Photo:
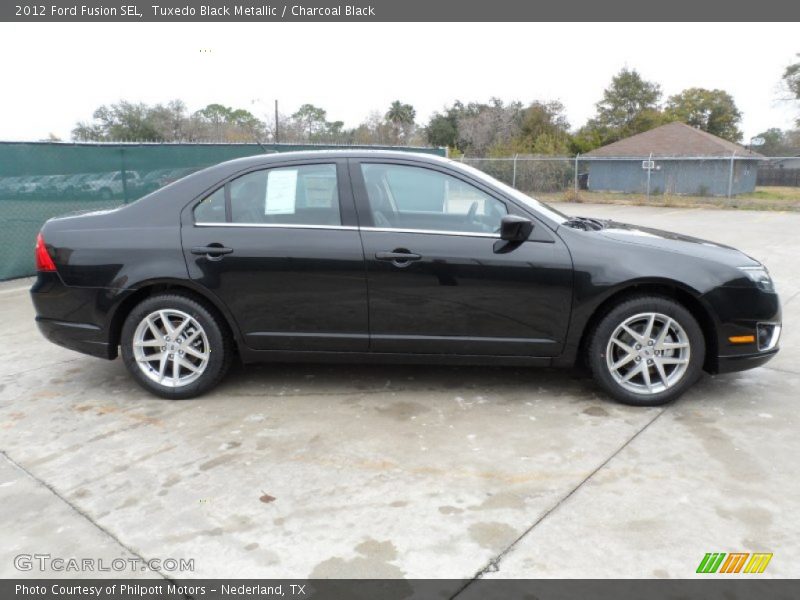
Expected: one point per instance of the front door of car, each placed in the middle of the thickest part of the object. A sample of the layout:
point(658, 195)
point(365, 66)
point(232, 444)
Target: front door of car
point(280, 247)
point(440, 279)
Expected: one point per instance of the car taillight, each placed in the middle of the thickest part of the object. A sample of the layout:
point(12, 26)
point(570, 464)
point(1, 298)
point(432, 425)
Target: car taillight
point(43, 260)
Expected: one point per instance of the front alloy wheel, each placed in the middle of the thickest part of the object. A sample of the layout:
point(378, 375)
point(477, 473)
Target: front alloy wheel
point(647, 351)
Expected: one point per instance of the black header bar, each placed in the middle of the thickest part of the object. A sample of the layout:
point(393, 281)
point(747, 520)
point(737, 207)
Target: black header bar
point(143, 11)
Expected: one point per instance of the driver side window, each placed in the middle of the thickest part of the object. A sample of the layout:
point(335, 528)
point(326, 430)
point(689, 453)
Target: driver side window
point(404, 197)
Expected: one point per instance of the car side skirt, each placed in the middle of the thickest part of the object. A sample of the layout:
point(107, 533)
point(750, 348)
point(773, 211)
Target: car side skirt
point(255, 356)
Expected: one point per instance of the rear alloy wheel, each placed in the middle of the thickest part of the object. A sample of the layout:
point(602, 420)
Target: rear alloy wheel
point(171, 348)
point(647, 351)
point(174, 346)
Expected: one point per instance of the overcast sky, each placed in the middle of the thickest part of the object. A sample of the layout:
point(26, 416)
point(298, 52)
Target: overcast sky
point(57, 74)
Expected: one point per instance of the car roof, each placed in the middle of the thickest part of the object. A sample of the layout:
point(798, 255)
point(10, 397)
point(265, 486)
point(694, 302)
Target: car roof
point(335, 153)
point(205, 180)
point(154, 208)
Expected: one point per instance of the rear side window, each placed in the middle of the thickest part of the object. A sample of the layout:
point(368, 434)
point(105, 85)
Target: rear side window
point(302, 195)
point(211, 209)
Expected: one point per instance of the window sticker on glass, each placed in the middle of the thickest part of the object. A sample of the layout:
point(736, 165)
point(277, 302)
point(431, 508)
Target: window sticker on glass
point(281, 192)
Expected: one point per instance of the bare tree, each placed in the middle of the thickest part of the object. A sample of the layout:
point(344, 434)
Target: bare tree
point(485, 126)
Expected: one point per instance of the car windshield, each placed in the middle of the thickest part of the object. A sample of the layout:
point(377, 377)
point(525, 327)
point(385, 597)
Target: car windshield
point(540, 207)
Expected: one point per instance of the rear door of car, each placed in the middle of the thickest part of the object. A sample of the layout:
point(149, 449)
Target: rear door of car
point(441, 280)
point(280, 247)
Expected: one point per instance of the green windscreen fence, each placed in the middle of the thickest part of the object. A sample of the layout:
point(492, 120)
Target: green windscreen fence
point(43, 180)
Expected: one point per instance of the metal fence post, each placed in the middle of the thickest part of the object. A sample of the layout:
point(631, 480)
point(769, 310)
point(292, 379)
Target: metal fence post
point(730, 176)
point(577, 156)
point(124, 173)
point(649, 171)
point(514, 173)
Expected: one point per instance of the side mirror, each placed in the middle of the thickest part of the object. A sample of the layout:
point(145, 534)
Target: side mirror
point(515, 229)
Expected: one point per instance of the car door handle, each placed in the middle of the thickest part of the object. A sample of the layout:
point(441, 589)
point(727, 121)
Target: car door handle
point(211, 250)
point(397, 256)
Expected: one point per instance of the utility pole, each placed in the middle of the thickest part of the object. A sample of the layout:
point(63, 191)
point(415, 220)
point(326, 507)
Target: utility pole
point(276, 121)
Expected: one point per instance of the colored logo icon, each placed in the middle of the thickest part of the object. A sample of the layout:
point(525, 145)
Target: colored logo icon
point(734, 562)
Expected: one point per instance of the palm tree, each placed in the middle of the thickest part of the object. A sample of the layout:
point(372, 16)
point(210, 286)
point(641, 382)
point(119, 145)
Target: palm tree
point(401, 117)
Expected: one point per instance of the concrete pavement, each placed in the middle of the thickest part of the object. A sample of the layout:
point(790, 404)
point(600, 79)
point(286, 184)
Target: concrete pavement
point(401, 471)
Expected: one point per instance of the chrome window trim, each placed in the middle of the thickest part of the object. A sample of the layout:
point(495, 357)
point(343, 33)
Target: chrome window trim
point(433, 232)
point(351, 228)
point(279, 226)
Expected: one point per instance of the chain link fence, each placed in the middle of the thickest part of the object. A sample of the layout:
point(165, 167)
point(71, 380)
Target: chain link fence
point(42, 180)
point(650, 177)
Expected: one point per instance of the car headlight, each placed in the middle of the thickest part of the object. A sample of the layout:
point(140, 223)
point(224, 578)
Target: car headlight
point(760, 276)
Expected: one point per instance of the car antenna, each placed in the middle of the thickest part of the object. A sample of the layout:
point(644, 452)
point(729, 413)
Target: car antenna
point(263, 147)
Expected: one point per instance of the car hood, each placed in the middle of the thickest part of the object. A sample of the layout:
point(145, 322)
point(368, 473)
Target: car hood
point(675, 242)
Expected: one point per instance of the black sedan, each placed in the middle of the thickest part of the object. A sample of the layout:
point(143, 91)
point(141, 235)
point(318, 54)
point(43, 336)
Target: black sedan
point(392, 257)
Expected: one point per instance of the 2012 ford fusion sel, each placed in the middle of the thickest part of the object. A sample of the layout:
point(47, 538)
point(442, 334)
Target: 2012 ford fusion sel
point(392, 257)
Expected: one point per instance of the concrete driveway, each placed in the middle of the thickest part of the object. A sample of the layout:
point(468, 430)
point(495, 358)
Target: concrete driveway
point(416, 472)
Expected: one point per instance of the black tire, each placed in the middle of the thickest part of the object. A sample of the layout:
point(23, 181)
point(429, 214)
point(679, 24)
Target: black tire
point(608, 324)
point(217, 334)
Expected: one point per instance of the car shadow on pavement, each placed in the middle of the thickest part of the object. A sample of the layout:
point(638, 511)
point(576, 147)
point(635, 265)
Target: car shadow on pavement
point(309, 378)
